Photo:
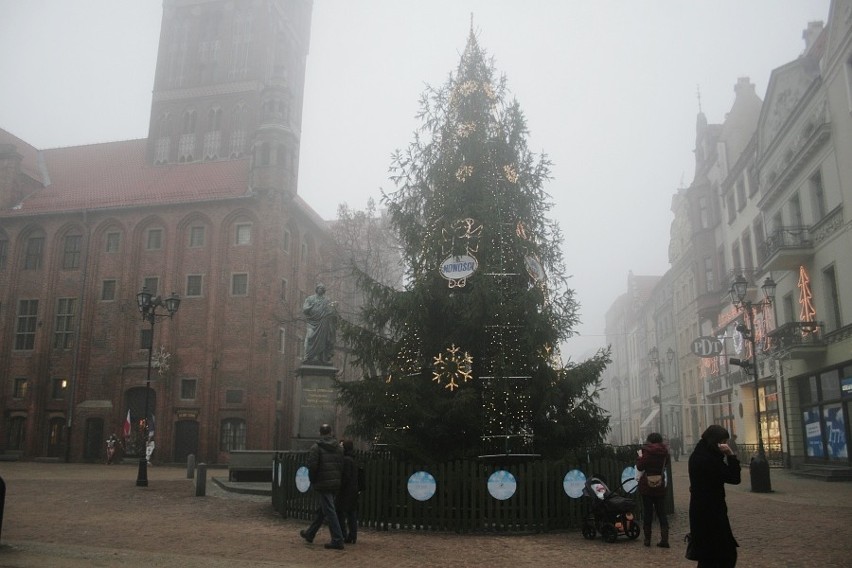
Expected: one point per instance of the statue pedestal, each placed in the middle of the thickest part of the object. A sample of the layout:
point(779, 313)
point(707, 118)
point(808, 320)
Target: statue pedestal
point(317, 403)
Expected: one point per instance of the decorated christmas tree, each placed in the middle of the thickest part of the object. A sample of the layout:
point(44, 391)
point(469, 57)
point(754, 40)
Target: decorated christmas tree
point(463, 361)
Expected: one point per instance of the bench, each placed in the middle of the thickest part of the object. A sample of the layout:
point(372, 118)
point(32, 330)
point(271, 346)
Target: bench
point(250, 465)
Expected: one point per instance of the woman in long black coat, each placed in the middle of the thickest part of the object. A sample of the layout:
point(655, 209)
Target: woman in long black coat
point(712, 465)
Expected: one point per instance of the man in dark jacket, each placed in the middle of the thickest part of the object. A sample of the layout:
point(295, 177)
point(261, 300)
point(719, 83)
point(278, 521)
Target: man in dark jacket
point(712, 465)
point(325, 467)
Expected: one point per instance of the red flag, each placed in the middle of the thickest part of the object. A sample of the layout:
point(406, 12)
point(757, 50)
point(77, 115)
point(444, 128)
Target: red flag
point(127, 425)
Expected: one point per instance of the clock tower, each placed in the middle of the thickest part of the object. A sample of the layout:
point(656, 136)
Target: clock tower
point(229, 84)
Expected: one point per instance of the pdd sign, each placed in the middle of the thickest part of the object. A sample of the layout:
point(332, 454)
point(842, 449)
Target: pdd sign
point(706, 346)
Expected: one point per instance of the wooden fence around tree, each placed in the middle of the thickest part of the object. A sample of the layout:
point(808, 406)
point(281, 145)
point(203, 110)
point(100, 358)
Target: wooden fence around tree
point(461, 501)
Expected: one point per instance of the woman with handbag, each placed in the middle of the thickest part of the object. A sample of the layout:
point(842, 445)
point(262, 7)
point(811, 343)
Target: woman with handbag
point(712, 465)
point(652, 461)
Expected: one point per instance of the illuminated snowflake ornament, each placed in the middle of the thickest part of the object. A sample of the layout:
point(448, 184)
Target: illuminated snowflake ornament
point(452, 366)
point(160, 359)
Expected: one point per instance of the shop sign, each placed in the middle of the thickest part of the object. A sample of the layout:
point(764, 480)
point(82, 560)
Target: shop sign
point(707, 346)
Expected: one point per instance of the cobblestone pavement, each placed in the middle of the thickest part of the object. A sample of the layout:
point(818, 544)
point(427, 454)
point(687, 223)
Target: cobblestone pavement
point(75, 515)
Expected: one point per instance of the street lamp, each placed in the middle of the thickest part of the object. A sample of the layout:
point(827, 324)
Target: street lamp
point(148, 308)
point(654, 357)
point(759, 466)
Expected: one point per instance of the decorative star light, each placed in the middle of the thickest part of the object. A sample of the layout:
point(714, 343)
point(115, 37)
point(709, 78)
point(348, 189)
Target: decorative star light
point(465, 129)
point(511, 173)
point(452, 367)
point(160, 359)
point(464, 172)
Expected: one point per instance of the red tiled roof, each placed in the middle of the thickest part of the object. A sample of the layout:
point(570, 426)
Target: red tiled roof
point(116, 174)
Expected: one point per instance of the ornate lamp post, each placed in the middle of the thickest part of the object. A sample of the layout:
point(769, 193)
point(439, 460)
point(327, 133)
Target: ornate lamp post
point(759, 466)
point(148, 308)
point(654, 357)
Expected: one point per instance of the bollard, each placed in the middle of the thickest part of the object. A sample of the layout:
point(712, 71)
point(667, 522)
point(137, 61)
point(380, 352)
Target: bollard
point(190, 466)
point(201, 480)
point(2, 504)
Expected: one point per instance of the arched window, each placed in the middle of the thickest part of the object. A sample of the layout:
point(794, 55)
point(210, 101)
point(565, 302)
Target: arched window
point(233, 435)
point(188, 121)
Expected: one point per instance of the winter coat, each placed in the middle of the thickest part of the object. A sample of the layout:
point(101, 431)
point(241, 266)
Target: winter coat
point(326, 470)
point(653, 461)
point(347, 498)
point(712, 537)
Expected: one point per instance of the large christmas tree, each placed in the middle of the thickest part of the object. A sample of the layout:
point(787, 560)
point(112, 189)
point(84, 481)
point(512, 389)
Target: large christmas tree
point(463, 361)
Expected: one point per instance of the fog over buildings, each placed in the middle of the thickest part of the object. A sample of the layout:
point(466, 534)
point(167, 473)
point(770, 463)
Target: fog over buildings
point(610, 90)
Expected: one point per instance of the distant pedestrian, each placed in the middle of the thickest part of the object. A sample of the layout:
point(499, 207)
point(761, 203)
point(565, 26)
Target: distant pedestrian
point(676, 447)
point(149, 450)
point(712, 465)
point(325, 469)
point(111, 448)
point(652, 461)
point(347, 500)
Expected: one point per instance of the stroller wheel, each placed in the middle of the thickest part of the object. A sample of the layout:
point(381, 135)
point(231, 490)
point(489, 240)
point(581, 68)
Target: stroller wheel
point(609, 532)
point(589, 532)
point(633, 531)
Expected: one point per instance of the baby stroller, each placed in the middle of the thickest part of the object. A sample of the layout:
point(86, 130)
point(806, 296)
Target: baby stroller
point(611, 514)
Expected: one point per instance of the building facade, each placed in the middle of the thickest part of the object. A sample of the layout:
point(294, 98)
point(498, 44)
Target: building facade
point(767, 203)
point(205, 207)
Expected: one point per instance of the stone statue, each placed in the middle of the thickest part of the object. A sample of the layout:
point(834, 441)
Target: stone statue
point(321, 317)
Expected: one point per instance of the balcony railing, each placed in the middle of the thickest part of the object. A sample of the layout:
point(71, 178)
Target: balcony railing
point(786, 248)
point(800, 339)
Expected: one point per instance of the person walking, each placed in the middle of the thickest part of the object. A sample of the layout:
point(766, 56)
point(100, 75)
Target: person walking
point(325, 467)
point(347, 500)
point(149, 449)
point(111, 447)
point(652, 461)
point(676, 447)
point(712, 465)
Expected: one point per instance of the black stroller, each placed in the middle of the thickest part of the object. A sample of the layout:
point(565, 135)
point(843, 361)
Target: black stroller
point(611, 514)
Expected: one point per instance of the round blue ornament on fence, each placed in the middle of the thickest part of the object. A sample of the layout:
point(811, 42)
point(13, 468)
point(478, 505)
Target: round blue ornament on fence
point(303, 482)
point(573, 483)
point(628, 479)
point(421, 485)
point(502, 484)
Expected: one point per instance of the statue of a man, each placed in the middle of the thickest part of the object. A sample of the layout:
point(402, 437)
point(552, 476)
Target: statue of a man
point(321, 318)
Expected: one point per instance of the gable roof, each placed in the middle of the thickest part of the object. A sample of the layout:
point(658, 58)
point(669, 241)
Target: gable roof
point(117, 174)
point(29, 154)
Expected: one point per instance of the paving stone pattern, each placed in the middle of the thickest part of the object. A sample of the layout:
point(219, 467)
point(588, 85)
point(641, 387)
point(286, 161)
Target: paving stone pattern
point(75, 515)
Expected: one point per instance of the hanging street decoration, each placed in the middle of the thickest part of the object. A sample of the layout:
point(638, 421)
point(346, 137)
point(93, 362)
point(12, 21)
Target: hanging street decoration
point(160, 360)
point(807, 311)
point(452, 365)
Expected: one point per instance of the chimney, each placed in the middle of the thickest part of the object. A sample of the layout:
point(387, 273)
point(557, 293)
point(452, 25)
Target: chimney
point(811, 34)
point(743, 86)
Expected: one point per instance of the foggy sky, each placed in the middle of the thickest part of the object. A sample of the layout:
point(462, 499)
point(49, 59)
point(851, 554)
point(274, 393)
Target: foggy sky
point(609, 89)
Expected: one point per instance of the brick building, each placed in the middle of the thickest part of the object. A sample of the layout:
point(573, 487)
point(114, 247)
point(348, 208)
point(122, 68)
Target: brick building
point(206, 207)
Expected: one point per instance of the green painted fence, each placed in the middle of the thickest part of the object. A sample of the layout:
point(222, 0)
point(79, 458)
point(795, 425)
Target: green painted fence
point(461, 502)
